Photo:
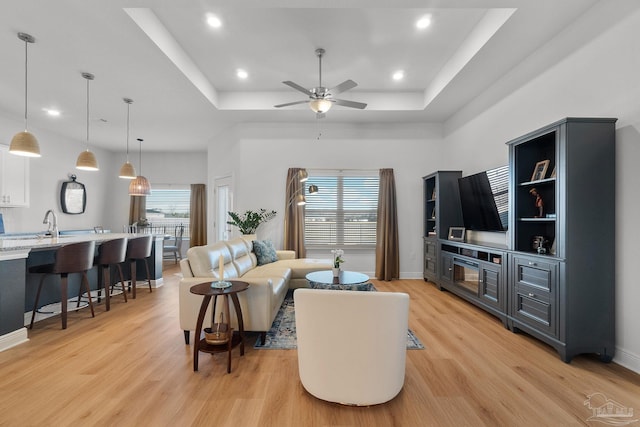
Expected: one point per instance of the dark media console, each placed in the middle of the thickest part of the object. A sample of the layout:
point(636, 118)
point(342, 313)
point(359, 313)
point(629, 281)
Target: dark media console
point(477, 274)
point(549, 280)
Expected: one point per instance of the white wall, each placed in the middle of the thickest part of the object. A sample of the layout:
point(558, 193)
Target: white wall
point(264, 152)
point(600, 79)
point(107, 195)
point(46, 176)
point(158, 168)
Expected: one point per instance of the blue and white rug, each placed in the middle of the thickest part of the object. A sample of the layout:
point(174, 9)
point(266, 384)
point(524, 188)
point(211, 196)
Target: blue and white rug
point(282, 335)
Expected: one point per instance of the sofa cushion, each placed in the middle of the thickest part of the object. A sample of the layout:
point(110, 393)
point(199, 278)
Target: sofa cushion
point(302, 266)
point(204, 260)
point(241, 255)
point(265, 251)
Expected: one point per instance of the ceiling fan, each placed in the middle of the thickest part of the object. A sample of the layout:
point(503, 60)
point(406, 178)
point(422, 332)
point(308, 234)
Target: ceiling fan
point(321, 98)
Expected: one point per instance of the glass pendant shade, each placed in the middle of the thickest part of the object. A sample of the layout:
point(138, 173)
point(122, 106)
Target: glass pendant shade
point(300, 200)
point(140, 186)
point(24, 143)
point(313, 189)
point(127, 171)
point(320, 105)
point(87, 161)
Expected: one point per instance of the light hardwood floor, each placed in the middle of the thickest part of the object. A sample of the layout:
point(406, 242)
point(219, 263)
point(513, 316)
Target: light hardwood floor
point(130, 367)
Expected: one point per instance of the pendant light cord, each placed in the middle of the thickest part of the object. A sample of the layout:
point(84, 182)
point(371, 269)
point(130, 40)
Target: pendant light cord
point(26, 82)
point(140, 155)
point(128, 107)
point(87, 114)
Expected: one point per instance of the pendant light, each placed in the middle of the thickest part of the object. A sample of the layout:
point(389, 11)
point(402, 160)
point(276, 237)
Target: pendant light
point(127, 171)
point(24, 143)
point(87, 160)
point(140, 185)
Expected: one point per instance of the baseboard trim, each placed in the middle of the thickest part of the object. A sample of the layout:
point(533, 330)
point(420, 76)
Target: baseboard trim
point(13, 339)
point(627, 359)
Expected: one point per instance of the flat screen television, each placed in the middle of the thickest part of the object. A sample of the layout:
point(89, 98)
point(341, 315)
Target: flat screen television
point(484, 198)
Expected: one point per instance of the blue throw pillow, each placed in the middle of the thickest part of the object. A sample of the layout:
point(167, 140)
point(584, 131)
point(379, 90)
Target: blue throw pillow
point(265, 252)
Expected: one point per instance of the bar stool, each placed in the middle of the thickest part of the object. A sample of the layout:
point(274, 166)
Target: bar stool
point(70, 258)
point(139, 248)
point(110, 252)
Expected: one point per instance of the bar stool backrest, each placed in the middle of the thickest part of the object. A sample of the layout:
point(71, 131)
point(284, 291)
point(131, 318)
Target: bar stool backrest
point(112, 251)
point(139, 247)
point(74, 257)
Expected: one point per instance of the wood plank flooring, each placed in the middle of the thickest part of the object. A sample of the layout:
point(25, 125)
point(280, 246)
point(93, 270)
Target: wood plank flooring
point(130, 367)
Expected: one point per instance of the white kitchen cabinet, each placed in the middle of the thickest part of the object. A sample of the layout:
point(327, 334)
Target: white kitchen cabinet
point(14, 179)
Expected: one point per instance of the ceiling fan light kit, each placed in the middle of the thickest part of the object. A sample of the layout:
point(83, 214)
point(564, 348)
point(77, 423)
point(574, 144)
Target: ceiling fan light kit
point(320, 98)
point(320, 105)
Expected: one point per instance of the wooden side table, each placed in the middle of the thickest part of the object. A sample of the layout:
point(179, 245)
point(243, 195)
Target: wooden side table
point(237, 337)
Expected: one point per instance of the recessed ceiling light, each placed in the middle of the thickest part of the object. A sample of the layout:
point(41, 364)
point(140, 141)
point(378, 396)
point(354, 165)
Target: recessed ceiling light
point(398, 75)
point(214, 21)
point(51, 112)
point(423, 22)
point(242, 74)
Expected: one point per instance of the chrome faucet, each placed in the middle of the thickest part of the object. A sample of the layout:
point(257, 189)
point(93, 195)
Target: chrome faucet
point(52, 228)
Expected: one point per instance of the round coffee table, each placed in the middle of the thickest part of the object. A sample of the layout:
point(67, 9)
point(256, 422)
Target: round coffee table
point(347, 280)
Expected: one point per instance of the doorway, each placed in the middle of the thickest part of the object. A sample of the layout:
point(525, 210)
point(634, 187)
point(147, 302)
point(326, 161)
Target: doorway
point(223, 203)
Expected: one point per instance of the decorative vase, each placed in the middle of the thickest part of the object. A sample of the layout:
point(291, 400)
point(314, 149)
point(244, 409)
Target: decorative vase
point(336, 271)
point(250, 237)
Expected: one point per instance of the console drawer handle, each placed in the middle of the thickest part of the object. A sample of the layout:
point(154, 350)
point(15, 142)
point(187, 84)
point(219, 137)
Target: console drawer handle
point(532, 263)
point(532, 295)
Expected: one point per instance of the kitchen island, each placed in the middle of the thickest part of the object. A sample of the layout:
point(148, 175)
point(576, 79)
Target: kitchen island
point(17, 287)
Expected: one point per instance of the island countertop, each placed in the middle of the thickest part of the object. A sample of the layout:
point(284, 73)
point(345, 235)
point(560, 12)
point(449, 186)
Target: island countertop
point(18, 287)
point(19, 246)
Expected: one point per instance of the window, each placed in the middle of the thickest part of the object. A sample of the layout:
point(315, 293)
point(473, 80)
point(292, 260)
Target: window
point(344, 211)
point(169, 207)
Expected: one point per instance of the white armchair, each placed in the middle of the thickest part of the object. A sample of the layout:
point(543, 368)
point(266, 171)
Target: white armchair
point(351, 345)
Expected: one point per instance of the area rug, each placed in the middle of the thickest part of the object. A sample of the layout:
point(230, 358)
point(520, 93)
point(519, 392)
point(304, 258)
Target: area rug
point(282, 335)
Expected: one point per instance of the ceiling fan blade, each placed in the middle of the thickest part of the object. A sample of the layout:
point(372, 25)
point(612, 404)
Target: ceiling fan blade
point(344, 86)
point(290, 103)
point(352, 104)
point(297, 87)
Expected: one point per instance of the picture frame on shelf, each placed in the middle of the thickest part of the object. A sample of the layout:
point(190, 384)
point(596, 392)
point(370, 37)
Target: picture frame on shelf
point(553, 173)
point(433, 194)
point(456, 234)
point(433, 213)
point(540, 170)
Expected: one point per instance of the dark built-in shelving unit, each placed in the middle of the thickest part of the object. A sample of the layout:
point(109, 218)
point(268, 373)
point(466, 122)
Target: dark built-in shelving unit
point(441, 211)
point(560, 291)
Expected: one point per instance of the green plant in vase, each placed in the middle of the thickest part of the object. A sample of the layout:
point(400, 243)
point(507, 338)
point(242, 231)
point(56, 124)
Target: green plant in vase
point(249, 221)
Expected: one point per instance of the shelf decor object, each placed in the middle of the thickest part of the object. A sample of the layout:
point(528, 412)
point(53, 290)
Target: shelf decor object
point(140, 186)
point(540, 171)
point(127, 170)
point(221, 283)
point(25, 143)
point(87, 160)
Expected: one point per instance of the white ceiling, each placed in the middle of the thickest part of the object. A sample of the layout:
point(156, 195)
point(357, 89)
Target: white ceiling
point(181, 73)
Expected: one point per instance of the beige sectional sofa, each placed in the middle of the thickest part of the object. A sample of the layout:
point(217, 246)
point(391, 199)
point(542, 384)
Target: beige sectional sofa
point(268, 283)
